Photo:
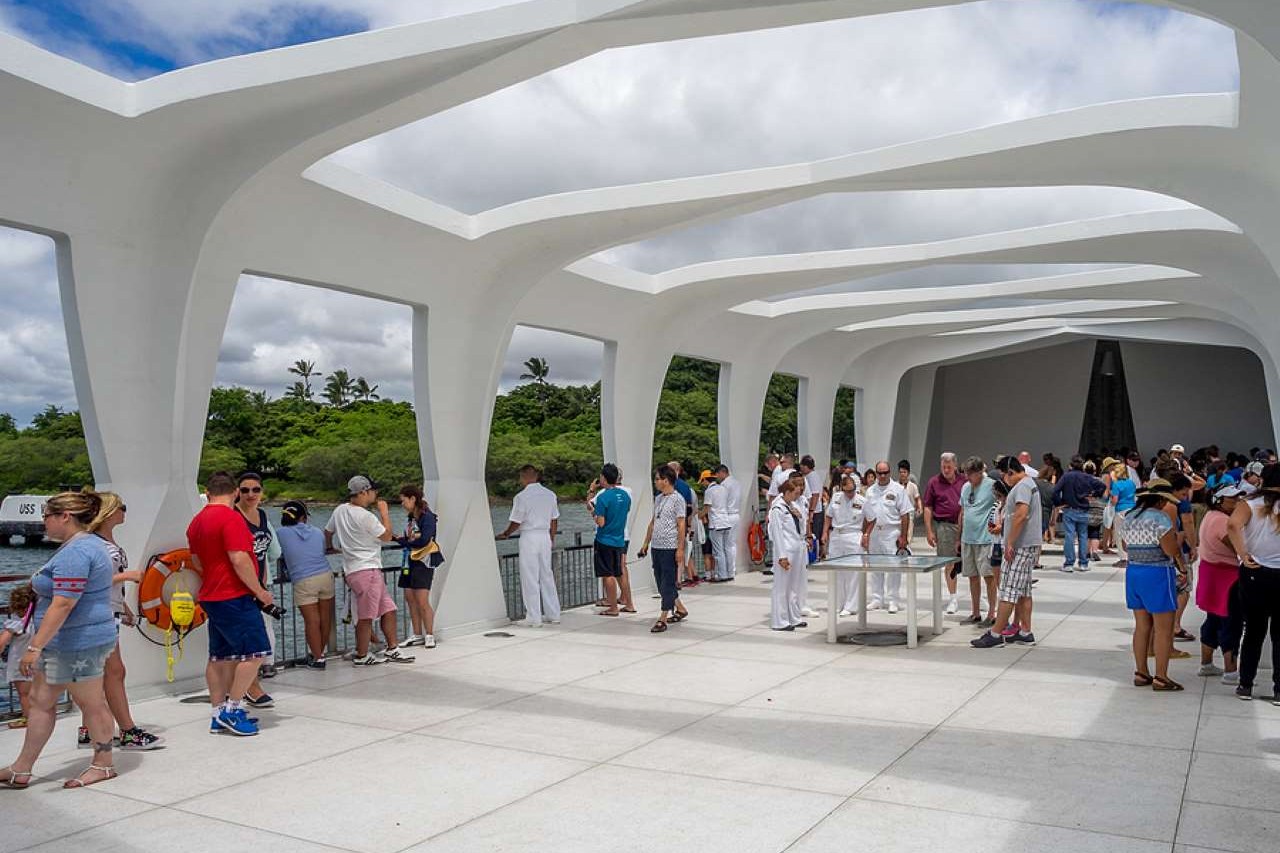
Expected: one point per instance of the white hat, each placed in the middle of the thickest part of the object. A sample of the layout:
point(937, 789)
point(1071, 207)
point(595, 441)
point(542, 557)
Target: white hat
point(1177, 448)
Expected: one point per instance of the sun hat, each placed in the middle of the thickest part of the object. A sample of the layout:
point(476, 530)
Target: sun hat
point(1227, 490)
point(1159, 487)
point(1109, 463)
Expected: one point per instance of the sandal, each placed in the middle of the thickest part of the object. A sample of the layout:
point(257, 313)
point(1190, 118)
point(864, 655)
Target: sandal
point(628, 610)
point(677, 617)
point(658, 627)
point(12, 779)
point(18, 723)
point(110, 773)
point(607, 613)
point(1141, 679)
point(1184, 636)
point(1165, 685)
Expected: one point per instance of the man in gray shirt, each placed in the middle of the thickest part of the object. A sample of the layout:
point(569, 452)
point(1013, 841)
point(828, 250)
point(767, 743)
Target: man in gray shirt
point(1020, 526)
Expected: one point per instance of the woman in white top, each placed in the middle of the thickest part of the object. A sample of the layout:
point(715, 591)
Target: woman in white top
point(790, 555)
point(842, 536)
point(1254, 531)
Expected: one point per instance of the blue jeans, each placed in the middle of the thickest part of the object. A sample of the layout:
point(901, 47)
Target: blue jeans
point(1075, 534)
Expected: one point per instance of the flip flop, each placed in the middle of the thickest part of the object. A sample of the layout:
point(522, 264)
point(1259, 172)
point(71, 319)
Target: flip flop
point(608, 613)
point(9, 779)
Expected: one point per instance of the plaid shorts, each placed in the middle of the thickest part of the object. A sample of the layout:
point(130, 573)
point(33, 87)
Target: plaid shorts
point(1015, 578)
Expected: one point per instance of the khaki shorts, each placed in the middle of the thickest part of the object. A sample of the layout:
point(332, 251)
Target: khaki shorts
point(313, 589)
point(975, 561)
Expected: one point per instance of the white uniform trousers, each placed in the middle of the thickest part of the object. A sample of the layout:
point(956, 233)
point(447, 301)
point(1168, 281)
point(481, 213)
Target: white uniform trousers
point(800, 583)
point(724, 547)
point(785, 597)
point(537, 583)
point(842, 544)
point(886, 587)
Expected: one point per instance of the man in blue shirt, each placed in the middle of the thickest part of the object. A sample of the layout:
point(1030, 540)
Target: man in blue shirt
point(1072, 493)
point(611, 508)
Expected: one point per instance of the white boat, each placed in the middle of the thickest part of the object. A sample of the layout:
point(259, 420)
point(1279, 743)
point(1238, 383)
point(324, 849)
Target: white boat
point(22, 515)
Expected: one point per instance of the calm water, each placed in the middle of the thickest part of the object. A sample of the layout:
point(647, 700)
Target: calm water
point(20, 560)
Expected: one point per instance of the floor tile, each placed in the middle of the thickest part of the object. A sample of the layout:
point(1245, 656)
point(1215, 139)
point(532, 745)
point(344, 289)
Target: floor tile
point(45, 812)
point(195, 762)
point(1251, 736)
point(1070, 784)
point(699, 679)
point(166, 830)
point(590, 725)
point(795, 647)
point(893, 696)
point(1233, 780)
point(892, 828)
point(550, 661)
point(834, 755)
point(1231, 829)
point(1105, 713)
point(411, 699)
point(655, 811)
point(935, 659)
point(406, 790)
point(632, 632)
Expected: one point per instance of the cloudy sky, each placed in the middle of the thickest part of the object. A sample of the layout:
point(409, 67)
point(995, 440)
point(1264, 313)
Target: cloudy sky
point(634, 114)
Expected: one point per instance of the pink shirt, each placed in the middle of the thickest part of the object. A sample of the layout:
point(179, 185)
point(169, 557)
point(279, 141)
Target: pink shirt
point(1212, 530)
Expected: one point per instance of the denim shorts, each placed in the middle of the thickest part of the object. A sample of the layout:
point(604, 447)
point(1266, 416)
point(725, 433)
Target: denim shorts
point(236, 630)
point(65, 666)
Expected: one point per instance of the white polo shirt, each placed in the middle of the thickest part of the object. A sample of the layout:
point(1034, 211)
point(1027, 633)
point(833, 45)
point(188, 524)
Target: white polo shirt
point(534, 508)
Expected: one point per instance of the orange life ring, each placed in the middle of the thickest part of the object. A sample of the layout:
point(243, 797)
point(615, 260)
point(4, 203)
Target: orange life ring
point(755, 542)
point(164, 573)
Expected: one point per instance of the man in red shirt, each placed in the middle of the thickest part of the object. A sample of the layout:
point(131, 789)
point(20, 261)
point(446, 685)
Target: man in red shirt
point(222, 552)
point(941, 516)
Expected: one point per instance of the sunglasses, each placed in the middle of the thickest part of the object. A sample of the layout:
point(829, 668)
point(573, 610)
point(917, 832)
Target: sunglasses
point(254, 490)
point(882, 473)
point(51, 514)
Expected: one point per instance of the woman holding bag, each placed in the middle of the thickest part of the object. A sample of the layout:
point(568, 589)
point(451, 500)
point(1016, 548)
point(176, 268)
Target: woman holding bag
point(422, 557)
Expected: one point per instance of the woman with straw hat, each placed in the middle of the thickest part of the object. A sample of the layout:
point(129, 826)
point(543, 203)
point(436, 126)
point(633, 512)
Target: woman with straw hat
point(1151, 581)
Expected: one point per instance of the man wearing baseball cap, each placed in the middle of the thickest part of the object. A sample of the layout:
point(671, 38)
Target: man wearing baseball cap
point(360, 536)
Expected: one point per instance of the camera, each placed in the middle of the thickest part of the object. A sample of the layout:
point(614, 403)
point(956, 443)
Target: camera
point(275, 611)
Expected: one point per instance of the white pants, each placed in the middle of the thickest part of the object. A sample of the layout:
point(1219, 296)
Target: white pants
point(842, 545)
point(886, 587)
point(785, 595)
point(724, 546)
point(537, 583)
point(800, 583)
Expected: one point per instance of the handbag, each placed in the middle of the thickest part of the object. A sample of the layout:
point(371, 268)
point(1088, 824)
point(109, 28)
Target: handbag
point(1096, 512)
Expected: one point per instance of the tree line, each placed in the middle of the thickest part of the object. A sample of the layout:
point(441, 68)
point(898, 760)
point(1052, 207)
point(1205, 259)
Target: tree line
point(307, 444)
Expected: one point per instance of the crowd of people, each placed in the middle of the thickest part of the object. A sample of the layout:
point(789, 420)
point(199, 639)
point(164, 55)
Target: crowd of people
point(1199, 524)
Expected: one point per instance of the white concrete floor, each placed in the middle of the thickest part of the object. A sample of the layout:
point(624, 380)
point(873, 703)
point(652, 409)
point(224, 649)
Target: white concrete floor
point(716, 736)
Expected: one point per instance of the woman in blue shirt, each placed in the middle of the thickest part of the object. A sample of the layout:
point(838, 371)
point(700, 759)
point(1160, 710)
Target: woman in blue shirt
point(302, 548)
point(1123, 498)
point(75, 634)
point(1151, 582)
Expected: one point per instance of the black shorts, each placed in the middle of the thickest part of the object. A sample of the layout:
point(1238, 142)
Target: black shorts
point(997, 555)
point(608, 561)
point(1095, 531)
point(706, 546)
point(416, 576)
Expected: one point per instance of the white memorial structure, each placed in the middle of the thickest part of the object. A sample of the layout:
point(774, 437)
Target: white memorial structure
point(160, 194)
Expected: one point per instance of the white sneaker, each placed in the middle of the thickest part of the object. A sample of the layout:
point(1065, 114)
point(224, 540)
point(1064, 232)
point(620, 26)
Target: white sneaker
point(1082, 568)
point(551, 621)
point(369, 659)
point(1208, 669)
point(893, 607)
point(846, 613)
point(874, 605)
point(396, 656)
point(808, 613)
point(525, 623)
point(952, 606)
point(413, 640)
point(1066, 570)
point(429, 641)
point(1231, 678)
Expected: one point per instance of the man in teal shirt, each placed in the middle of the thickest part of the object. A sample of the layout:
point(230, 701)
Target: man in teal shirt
point(612, 506)
point(977, 497)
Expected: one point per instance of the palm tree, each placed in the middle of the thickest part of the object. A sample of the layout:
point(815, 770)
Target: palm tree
point(305, 369)
point(363, 390)
point(297, 391)
point(537, 370)
point(337, 388)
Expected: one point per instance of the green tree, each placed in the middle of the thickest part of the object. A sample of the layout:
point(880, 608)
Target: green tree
point(298, 391)
point(843, 440)
point(778, 420)
point(306, 370)
point(362, 390)
point(537, 370)
point(8, 426)
point(338, 388)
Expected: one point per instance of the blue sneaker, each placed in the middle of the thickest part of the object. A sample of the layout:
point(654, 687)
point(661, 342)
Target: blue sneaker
point(215, 728)
point(238, 723)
